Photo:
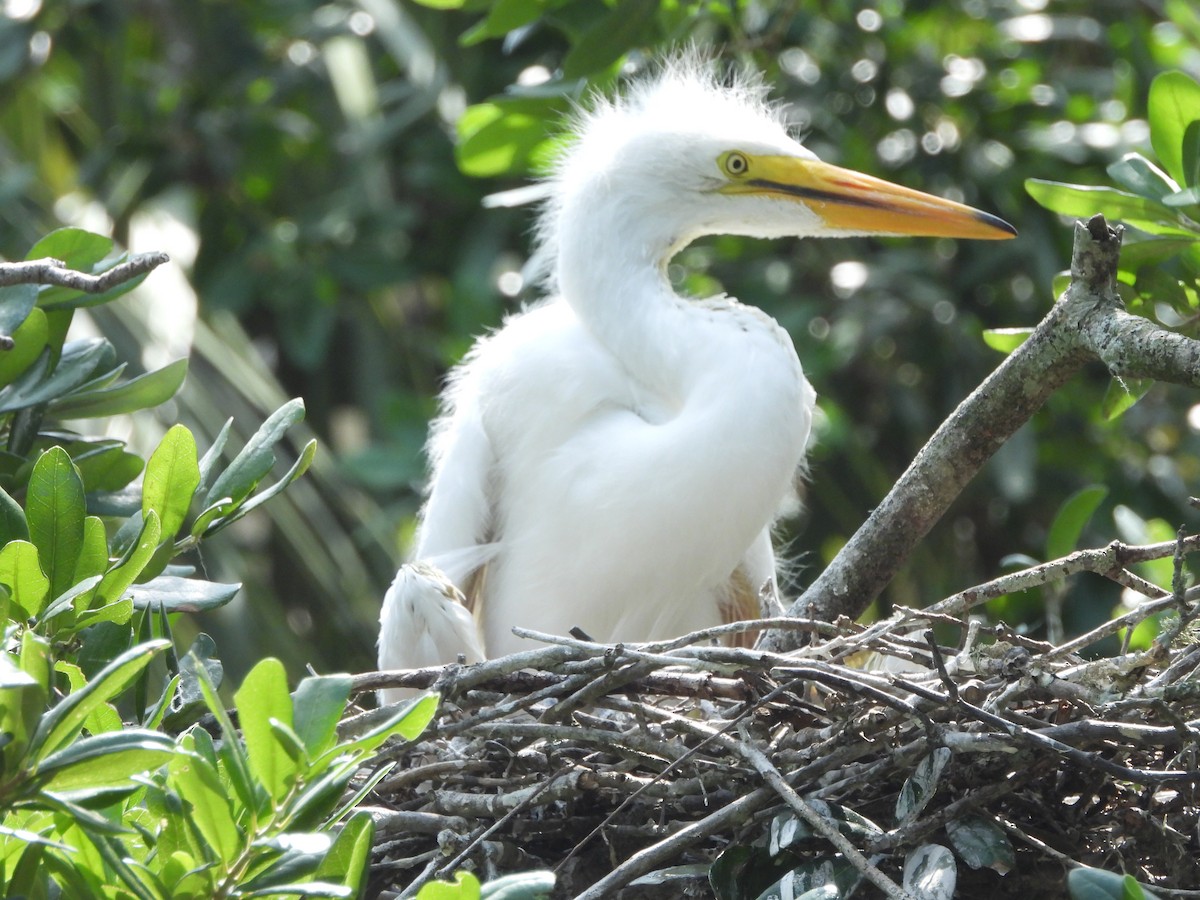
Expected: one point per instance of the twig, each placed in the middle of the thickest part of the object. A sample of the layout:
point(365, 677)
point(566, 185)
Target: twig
point(54, 272)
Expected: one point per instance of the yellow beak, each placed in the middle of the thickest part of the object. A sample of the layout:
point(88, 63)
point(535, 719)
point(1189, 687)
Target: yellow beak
point(852, 202)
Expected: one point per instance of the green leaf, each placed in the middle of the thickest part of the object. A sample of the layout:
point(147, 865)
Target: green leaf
point(173, 593)
point(208, 462)
point(143, 392)
point(502, 136)
point(347, 860)
point(93, 554)
point(1096, 884)
point(107, 467)
point(264, 696)
point(62, 723)
point(105, 718)
point(12, 519)
point(1173, 105)
point(74, 247)
point(464, 887)
point(834, 877)
point(257, 457)
point(981, 843)
point(104, 762)
point(172, 476)
point(930, 873)
point(1137, 174)
point(1121, 394)
point(319, 702)
point(302, 889)
point(442, 4)
point(918, 789)
point(54, 509)
point(503, 17)
point(610, 37)
point(21, 573)
point(197, 781)
point(29, 340)
point(38, 385)
point(238, 511)
point(118, 579)
point(1072, 517)
point(1084, 201)
point(408, 722)
point(1006, 340)
point(17, 301)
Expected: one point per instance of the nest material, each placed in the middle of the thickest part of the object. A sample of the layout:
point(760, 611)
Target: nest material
point(611, 763)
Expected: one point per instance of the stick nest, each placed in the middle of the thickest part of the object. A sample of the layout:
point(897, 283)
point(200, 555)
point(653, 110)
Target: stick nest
point(609, 764)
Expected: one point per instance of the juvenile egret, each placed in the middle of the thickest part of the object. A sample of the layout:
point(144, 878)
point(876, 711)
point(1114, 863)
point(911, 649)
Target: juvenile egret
point(614, 457)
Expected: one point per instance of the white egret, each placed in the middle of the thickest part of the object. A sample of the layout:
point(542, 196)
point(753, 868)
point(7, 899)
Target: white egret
point(613, 458)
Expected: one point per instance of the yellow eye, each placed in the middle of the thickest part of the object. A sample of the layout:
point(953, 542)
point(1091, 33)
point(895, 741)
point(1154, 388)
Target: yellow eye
point(735, 164)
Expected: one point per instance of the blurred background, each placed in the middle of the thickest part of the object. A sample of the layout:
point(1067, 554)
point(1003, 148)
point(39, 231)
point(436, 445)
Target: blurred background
point(306, 166)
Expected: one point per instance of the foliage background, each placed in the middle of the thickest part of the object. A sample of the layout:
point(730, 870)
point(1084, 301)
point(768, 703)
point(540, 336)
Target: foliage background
point(298, 160)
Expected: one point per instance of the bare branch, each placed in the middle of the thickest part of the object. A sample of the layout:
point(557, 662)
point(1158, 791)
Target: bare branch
point(54, 272)
point(1088, 322)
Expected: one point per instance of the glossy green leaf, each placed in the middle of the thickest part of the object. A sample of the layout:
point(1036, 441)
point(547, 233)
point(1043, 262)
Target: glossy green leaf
point(834, 877)
point(502, 136)
point(1085, 883)
point(930, 873)
point(464, 887)
point(12, 519)
point(93, 554)
point(172, 476)
point(302, 889)
point(104, 718)
point(1121, 394)
point(238, 511)
point(620, 29)
point(319, 703)
point(1006, 340)
point(441, 4)
point(38, 385)
point(1137, 174)
point(21, 573)
point(981, 843)
point(62, 723)
point(197, 781)
point(120, 577)
point(174, 593)
point(1173, 105)
point(104, 762)
point(918, 789)
point(17, 301)
point(143, 392)
point(788, 831)
point(212, 456)
point(409, 722)
point(74, 247)
point(29, 341)
point(503, 16)
point(107, 467)
point(264, 696)
point(348, 859)
point(1072, 517)
point(55, 509)
point(1084, 201)
point(257, 457)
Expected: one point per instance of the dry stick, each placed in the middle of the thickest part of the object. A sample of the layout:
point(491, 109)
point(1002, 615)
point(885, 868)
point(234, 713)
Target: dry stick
point(1087, 322)
point(55, 272)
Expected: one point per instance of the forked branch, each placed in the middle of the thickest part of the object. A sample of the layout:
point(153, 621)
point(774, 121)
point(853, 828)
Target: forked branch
point(1088, 322)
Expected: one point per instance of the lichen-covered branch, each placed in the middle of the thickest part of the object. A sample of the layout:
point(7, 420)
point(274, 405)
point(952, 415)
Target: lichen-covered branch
point(1088, 322)
point(55, 272)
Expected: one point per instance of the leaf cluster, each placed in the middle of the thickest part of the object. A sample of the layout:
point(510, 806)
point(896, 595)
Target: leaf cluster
point(1159, 275)
point(91, 805)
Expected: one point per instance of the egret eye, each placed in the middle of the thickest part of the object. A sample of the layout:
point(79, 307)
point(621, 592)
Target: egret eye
point(735, 164)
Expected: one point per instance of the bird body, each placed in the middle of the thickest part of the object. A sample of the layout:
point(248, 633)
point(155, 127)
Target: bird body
point(614, 457)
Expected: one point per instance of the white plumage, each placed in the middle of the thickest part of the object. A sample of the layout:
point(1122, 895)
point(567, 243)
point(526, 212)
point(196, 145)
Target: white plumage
point(621, 452)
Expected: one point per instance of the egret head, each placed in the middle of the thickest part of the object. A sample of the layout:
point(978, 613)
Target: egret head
point(682, 154)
